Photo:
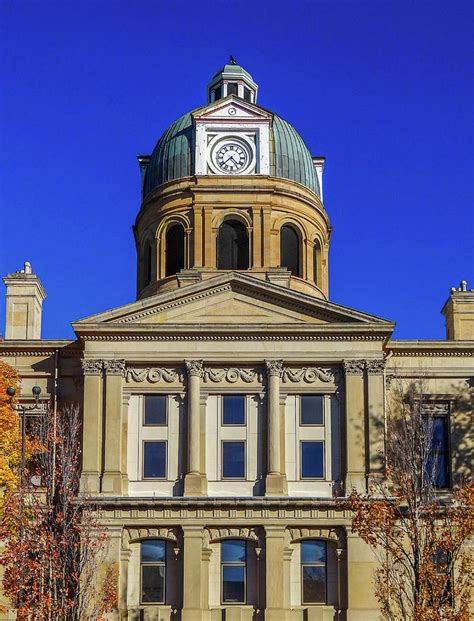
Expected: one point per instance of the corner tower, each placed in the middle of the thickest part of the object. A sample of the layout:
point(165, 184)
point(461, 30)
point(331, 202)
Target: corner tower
point(232, 186)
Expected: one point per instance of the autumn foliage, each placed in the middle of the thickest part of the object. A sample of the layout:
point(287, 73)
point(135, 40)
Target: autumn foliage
point(419, 535)
point(54, 542)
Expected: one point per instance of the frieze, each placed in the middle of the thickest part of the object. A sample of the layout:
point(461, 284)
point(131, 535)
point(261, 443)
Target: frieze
point(308, 374)
point(154, 375)
point(232, 375)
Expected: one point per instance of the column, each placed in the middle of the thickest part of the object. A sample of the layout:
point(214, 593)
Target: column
point(267, 234)
point(195, 483)
point(112, 483)
point(124, 464)
point(256, 237)
point(197, 212)
point(209, 255)
point(194, 585)
point(277, 580)
point(92, 426)
point(376, 411)
point(276, 483)
point(355, 425)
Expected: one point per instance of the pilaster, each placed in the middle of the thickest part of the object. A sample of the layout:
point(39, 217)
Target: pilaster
point(355, 425)
point(375, 397)
point(276, 482)
point(278, 558)
point(195, 482)
point(112, 483)
point(92, 426)
point(194, 583)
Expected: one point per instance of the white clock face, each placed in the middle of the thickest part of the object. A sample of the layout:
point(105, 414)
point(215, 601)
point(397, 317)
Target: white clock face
point(232, 157)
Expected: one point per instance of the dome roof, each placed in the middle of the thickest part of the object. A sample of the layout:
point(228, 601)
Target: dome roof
point(233, 69)
point(172, 156)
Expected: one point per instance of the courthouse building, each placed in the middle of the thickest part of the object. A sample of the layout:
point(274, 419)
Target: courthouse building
point(226, 407)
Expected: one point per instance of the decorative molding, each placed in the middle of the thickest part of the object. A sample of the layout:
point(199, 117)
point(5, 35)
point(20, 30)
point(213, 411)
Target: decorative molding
point(236, 337)
point(308, 374)
point(212, 535)
point(375, 367)
point(194, 367)
point(274, 367)
point(232, 375)
point(298, 533)
point(114, 367)
point(435, 408)
point(133, 535)
point(153, 375)
point(92, 367)
point(353, 367)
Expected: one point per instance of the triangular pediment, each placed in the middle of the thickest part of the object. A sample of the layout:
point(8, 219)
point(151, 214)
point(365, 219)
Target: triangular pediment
point(230, 109)
point(232, 301)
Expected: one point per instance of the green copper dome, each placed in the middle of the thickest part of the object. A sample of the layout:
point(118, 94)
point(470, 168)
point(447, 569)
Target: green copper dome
point(172, 157)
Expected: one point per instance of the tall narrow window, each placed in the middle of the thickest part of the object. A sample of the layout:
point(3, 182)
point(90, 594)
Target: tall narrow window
point(147, 266)
point(313, 571)
point(233, 571)
point(153, 571)
point(174, 249)
point(316, 261)
point(438, 463)
point(232, 246)
point(290, 250)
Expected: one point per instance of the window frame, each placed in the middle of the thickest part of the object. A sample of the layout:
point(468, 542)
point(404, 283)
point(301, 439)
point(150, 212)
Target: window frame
point(165, 424)
point(163, 478)
point(325, 565)
point(153, 564)
point(301, 397)
point(226, 425)
point(232, 441)
point(323, 442)
point(233, 564)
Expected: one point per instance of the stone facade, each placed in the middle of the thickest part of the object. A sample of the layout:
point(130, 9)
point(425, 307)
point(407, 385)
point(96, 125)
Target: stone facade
point(266, 335)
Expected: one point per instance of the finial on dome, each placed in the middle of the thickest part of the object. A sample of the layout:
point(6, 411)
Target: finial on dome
point(232, 60)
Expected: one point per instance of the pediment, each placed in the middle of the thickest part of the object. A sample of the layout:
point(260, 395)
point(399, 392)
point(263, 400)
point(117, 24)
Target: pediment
point(232, 301)
point(231, 109)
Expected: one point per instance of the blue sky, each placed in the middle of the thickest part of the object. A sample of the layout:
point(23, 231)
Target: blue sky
point(383, 89)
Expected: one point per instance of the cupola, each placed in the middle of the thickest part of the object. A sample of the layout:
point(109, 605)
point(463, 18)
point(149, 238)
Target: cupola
point(232, 79)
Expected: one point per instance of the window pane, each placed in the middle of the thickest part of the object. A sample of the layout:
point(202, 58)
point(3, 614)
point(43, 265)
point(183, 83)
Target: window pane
point(312, 460)
point(438, 462)
point(232, 246)
point(290, 250)
point(232, 89)
point(233, 551)
point(153, 551)
point(154, 460)
point(155, 410)
point(247, 94)
point(217, 93)
point(174, 249)
point(312, 410)
point(313, 552)
point(153, 583)
point(233, 459)
point(234, 410)
point(314, 584)
point(233, 583)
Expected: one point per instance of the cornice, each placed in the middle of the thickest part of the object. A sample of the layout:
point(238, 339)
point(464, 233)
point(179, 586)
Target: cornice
point(258, 336)
point(66, 348)
point(430, 348)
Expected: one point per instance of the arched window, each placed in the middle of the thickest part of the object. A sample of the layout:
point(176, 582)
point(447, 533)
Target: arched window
point(232, 246)
point(147, 264)
point(316, 261)
point(290, 250)
point(174, 249)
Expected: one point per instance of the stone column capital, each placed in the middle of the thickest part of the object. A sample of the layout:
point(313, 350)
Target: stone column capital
point(114, 367)
point(274, 367)
point(92, 367)
point(353, 367)
point(194, 367)
point(375, 367)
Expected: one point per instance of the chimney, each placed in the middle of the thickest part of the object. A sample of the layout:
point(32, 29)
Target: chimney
point(459, 314)
point(25, 295)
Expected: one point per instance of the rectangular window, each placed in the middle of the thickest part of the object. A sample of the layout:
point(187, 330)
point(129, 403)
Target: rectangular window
point(154, 459)
point(233, 460)
point(313, 572)
point(312, 410)
point(232, 89)
point(217, 93)
point(155, 410)
point(233, 410)
point(438, 463)
point(312, 460)
point(233, 571)
point(247, 94)
point(153, 571)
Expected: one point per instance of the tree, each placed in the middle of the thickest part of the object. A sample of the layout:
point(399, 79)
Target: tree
point(54, 541)
point(418, 534)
